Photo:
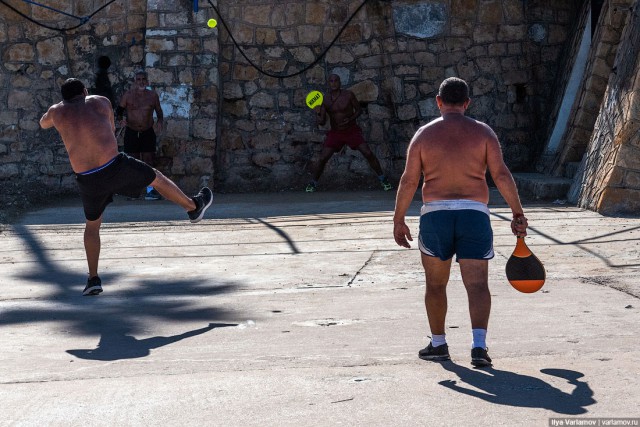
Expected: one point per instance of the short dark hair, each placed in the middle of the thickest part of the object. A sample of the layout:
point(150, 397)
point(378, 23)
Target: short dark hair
point(71, 88)
point(454, 91)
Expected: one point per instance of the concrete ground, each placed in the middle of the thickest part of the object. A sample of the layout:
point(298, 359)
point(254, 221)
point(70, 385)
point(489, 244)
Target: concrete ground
point(299, 309)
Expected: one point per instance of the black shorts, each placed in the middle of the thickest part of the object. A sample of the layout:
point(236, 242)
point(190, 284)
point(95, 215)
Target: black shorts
point(125, 175)
point(139, 142)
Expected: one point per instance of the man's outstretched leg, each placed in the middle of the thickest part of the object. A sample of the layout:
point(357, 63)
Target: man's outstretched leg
point(195, 206)
point(435, 301)
point(375, 165)
point(325, 155)
point(475, 276)
point(92, 249)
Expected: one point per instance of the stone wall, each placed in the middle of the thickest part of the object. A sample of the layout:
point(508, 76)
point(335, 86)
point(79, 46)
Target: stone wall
point(604, 47)
point(248, 131)
point(393, 55)
point(610, 183)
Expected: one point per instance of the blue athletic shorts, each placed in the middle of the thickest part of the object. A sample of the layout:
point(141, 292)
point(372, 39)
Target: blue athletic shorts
point(460, 227)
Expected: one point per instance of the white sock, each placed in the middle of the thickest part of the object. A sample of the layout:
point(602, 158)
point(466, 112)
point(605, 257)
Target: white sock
point(438, 340)
point(479, 338)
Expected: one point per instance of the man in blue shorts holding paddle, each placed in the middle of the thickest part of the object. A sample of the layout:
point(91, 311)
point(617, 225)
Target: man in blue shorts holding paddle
point(453, 154)
point(86, 124)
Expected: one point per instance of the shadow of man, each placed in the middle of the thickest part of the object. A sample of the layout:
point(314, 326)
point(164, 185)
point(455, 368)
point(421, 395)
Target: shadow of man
point(117, 344)
point(509, 388)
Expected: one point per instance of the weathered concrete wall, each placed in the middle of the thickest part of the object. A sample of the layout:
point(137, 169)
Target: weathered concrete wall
point(251, 132)
point(610, 183)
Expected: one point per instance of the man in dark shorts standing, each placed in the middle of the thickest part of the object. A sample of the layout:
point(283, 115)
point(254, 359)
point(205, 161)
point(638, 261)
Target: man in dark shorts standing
point(87, 127)
point(453, 154)
point(139, 103)
point(343, 109)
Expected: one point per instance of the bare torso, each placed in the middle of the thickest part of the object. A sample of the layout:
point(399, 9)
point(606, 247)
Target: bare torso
point(453, 151)
point(87, 129)
point(340, 107)
point(140, 105)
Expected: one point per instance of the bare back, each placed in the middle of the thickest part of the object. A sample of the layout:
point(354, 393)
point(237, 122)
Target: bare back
point(453, 152)
point(86, 126)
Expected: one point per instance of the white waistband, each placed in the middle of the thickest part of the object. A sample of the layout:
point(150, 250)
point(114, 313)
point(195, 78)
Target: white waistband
point(453, 205)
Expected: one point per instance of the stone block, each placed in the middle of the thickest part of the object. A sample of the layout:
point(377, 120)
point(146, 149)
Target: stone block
point(257, 14)
point(262, 100)
point(310, 34)
point(20, 100)
point(204, 128)
point(337, 55)
point(316, 13)
point(406, 112)
point(491, 12)
point(365, 91)
point(266, 36)
point(265, 160)
point(483, 34)
point(159, 45)
point(420, 20)
point(615, 201)
point(628, 157)
point(19, 52)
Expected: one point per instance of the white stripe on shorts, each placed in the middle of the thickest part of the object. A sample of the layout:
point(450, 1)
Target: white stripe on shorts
point(453, 205)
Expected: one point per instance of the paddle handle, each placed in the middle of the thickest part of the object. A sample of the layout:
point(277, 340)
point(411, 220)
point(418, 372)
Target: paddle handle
point(521, 250)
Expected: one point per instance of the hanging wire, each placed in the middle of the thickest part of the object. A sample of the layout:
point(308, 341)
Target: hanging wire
point(283, 76)
point(83, 19)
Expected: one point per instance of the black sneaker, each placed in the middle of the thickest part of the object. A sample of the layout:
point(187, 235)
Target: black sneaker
point(94, 286)
point(438, 353)
point(480, 357)
point(202, 200)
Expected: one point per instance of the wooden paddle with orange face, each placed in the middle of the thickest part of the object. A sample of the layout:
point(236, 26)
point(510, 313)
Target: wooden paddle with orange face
point(524, 270)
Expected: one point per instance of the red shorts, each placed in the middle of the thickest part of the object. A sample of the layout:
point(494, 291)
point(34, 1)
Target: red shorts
point(337, 139)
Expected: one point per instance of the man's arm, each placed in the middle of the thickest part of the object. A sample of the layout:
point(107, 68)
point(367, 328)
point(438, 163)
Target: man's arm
point(121, 108)
point(321, 115)
point(46, 121)
point(505, 184)
point(159, 114)
point(406, 189)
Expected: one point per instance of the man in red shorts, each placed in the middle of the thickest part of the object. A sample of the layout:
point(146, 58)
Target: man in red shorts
point(343, 109)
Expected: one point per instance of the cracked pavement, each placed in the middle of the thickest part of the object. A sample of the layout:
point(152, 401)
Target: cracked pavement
point(292, 308)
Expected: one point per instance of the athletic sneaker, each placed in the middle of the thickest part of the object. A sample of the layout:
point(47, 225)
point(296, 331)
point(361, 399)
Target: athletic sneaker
point(202, 200)
point(94, 286)
point(153, 195)
point(311, 188)
point(480, 357)
point(386, 185)
point(438, 353)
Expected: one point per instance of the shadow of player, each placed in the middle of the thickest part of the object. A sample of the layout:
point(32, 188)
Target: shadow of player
point(117, 344)
point(512, 389)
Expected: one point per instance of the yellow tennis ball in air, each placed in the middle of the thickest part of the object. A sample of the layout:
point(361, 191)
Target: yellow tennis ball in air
point(211, 23)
